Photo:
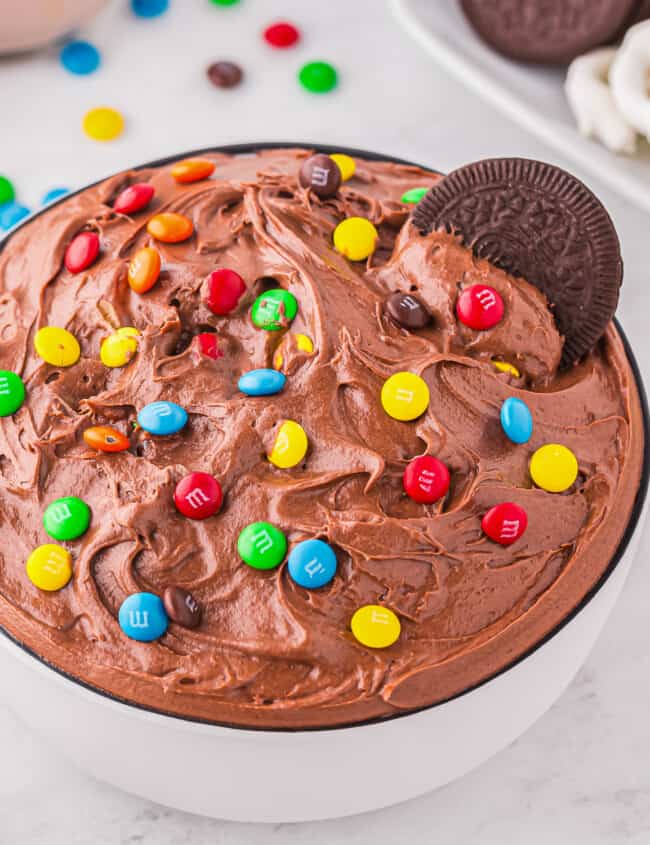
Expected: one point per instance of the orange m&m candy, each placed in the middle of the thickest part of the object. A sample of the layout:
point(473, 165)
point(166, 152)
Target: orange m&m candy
point(170, 228)
point(144, 269)
point(105, 438)
point(192, 170)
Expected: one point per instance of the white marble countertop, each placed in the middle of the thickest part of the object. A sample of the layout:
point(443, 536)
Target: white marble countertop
point(582, 773)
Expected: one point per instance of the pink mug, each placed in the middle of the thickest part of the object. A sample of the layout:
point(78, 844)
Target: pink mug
point(29, 24)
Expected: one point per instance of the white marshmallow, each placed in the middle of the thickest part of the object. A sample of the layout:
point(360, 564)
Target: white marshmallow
point(629, 75)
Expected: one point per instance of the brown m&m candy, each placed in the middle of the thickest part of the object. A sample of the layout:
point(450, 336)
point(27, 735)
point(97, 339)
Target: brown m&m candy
point(407, 311)
point(322, 174)
point(537, 222)
point(225, 74)
point(182, 607)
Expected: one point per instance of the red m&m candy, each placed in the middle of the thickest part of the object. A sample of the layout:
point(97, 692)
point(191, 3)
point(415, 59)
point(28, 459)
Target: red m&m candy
point(81, 252)
point(505, 523)
point(134, 198)
point(480, 307)
point(208, 345)
point(426, 479)
point(224, 290)
point(281, 34)
point(198, 495)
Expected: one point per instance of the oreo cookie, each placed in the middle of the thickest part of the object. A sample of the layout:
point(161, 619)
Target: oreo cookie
point(552, 32)
point(538, 222)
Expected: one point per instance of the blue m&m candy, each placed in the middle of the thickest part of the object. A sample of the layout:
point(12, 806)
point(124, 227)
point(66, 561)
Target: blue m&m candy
point(11, 214)
point(516, 420)
point(262, 382)
point(312, 564)
point(149, 8)
point(80, 57)
point(54, 194)
point(162, 418)
point(143, 617)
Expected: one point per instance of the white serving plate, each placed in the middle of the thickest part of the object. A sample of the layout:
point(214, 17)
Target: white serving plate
point(532, 96)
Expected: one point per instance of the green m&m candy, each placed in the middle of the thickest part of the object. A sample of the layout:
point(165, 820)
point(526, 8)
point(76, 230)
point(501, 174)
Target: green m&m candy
point(7, 192)
point(274, 310)
point(12, 393)
point(414, 195)
point(67, 518)
point(318, 77)
point(262, 545)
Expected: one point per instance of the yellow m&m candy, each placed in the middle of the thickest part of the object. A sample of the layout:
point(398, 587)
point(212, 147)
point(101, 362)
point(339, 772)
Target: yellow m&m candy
point(301, 342)
point(118, 349)
point(504, 367)
point(375, 626)
point(103, 124)
point(346, 164)
point(57, 346)
point(49, 567)
point(405, 396)
point(554, 468)
point(355, 238)
point(290, 445)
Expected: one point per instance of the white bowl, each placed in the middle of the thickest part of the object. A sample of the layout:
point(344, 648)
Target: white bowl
point(290, 776)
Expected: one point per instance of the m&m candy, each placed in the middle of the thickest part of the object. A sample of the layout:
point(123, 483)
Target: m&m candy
point(505, 523)
point(170, 228)
point(11, 215)
point(81, 252)
point(407, 311)
point(80, 57)
point(405, 396)
point(262, 545)
point(57, 346)
point(318, 77)
point(105, 438)
point(426, 479)
point(53, 194)
point(554, 468)
point(209, 345)
point(479, 307)
point(274, 310)
point(7, 191)
point(144, 269)
point(281, 35)
point(103, 124)
point(300, 342)
point(262, 382)
point(504, 367)
point(346, 164)
point(375, 626)
point(198, 495)
point(134, 198)
point(224, 74)
point(143, 617)
point(516, 420)
point(119, 348)
point(49, 567)
point(224, 289)
point(413, 195)
point(182, 607)
point(192, 170)
point(12, 393)
point(149, 8)
point(355, 238)
point(290, 445)
point(67, 518)
point(312, 564)
point(162, 418)
point(321, 174)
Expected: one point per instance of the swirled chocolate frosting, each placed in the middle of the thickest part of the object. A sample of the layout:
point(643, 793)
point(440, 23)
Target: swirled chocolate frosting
point(267, 652)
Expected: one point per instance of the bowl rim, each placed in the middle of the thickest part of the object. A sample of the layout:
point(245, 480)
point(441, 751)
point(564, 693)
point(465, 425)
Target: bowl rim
point(251, 148)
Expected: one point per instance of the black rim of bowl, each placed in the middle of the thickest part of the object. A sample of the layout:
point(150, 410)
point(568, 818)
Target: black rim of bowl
point(251, 149)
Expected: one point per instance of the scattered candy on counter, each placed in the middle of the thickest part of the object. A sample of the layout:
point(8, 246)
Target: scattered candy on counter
point(516, 420)
point(274, 310)
point(149, 8)
point(225, 74)
point(170, 228)
point(346, 164)
point(281, 35)
point(80, 57)
point(505, 523)
point(11, 214)
point(105, 438)
point(7, 191)
point(355, 238)
point(53, 194)
point(198, 495)
point(143, 617)
point(262, 545)
point(224, 2)
point(67, 518)
point(162, 418)
point(479, 307)
point(209, 345)
point(144, 269)
point(134, 198)
point(82, 251)
point(504, 367)
point(301, 342)
point(375, 626)
point(426, 479)
point(12, 393)
point(57, 346)
point(318, 77)
point(192, 170)
point(312, 564)
point(290, 445)
point(321, 174)
point(49, 567)
point(262, 382)
point(407, 311)
point(120, 347)
point(554, 468)
point(224, 290)
point(103, 123)
point(414, 195)
point(405, 396)
point(182, 607)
